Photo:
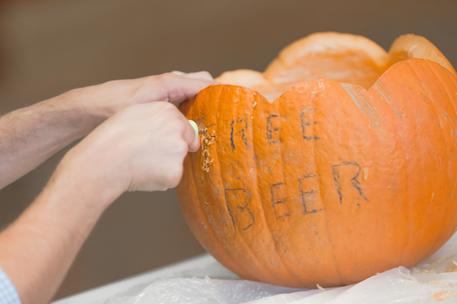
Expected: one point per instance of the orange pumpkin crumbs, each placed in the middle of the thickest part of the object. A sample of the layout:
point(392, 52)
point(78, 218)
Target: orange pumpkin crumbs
point(207, 140)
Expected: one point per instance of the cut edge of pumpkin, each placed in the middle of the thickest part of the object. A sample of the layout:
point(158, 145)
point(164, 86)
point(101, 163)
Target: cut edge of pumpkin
point(294, 63)
point(414, 46)
point(325, 43)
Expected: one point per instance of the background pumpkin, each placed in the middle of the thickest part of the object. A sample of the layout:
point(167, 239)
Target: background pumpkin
point(337, 162)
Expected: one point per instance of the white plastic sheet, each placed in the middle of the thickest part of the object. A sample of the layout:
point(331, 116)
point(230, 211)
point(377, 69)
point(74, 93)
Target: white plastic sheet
point(433, 281)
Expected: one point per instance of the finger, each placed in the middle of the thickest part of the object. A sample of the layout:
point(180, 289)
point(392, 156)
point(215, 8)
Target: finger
point(176, 89)
point(203, 75)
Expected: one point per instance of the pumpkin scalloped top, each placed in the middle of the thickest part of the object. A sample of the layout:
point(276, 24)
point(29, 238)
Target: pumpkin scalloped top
point(343, 57)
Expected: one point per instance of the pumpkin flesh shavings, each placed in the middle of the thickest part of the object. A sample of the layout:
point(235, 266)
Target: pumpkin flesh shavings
point(207, 140)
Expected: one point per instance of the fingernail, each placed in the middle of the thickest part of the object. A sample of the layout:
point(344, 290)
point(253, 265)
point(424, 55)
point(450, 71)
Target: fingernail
point(195, 127)
point(178, 73)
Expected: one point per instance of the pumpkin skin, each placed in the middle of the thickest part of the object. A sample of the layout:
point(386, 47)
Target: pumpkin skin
point(332, 181)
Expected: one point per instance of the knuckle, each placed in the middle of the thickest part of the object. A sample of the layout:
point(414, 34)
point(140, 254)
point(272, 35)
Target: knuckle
point(165, 77)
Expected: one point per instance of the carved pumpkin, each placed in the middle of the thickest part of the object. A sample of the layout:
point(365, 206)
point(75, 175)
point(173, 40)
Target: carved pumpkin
point(338, 162)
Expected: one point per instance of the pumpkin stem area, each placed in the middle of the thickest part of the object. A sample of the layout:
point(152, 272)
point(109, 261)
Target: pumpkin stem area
point(333, 56)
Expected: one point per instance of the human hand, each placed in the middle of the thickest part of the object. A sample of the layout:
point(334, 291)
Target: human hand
point(139, 149)
point(106, 99)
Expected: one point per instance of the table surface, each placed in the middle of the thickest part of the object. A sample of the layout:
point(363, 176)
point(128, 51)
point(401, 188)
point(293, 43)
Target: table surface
point(200, 266)
point(207, 266)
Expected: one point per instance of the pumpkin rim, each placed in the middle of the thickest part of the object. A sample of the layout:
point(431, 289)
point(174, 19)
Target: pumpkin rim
point(403, 48)
point(303, 83)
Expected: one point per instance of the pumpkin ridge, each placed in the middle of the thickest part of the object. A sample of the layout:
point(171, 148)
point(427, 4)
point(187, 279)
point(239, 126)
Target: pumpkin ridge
point(380, 87)
point(413, 233)
point(225, 203)
point(317, 166)
point(281, 149)
point(210, 227)
point(431, 67)
point(362, 102)
point(220, 239)
point(284, 264)
point(407, 196)
point(446, 140)
point(430, 103)
point(252, 256)
point(248, 152)
point(199, 203)
point(220, 176)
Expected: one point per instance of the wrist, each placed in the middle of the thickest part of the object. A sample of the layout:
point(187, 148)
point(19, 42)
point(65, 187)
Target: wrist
point(85, 111)
point(96, 101)
point(86, 179)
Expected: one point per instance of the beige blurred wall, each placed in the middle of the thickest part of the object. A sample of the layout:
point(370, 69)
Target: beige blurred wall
point(49, 46)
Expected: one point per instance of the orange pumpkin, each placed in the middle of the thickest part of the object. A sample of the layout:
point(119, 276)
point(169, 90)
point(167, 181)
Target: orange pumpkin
point(338, 162)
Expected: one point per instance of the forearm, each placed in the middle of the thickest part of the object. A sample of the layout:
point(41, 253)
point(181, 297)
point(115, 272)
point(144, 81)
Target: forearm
point(37, 250)
point(140, 148)
point(31, 135)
